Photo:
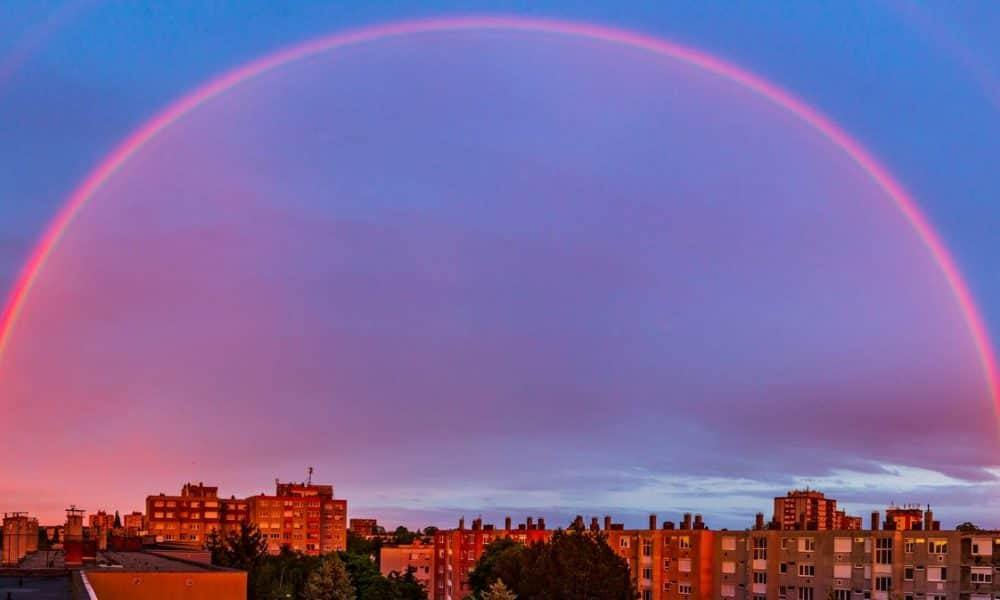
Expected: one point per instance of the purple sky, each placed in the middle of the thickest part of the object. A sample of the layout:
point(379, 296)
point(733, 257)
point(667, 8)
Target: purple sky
point(495, 272)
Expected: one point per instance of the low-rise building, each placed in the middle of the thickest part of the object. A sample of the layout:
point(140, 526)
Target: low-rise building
point(417, 556)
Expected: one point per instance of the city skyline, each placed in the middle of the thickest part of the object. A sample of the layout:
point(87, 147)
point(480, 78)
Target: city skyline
point(541, 260)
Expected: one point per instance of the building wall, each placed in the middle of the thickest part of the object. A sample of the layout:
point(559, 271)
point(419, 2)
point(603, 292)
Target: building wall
point(16, 533)
point(397, 559)
point(456, 552)
point(304, 517)
point(189, 517)
point(814, 565)
point(132, 585)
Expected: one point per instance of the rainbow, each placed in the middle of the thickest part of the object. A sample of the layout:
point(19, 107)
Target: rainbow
point(812, 117)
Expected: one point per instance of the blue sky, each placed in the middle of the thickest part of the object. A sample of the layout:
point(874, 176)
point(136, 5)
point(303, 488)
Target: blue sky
point(917, 86)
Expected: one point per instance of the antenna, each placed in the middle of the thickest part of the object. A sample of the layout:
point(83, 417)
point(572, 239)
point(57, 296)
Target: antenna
point(310, 480)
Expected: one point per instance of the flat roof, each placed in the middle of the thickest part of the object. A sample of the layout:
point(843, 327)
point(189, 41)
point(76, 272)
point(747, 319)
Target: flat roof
point(37, 588)
point(144, 561)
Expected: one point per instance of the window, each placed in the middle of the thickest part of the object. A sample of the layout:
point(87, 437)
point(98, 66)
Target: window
point(841, 594)
point(647, 547)
point(883, 583)
point(982, 547)
point(908, 546)
point(647, 573)
point(937, 573)
point(684, 589)
point(908, 573)
point(684, 542)
point(842, 571)
point(729, 543)
point(728, 590)
point(807, 544)
point(647, 595)
point(760, 548)
point(666, 564)
point(883, 551)
point(981, 575)
point(784, 543)
point(805, 593)
point(684, 565)
point(842, 545)
point(783, 568)
point(728, 567)
point(937, 546)
point(623, 542)
point(759, 577)
point(807, 570)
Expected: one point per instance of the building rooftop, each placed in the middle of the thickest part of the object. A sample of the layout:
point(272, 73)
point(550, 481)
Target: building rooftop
point(36, 588)
point(145, 561)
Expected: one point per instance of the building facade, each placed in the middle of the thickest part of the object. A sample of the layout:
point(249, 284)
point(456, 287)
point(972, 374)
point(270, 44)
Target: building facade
point(189, 517)
point(810, 510)
point(416, 556)
point(305, 517)
point(456, 552)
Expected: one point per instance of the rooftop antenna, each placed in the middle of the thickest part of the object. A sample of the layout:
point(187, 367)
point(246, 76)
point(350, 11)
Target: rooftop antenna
point(309, 481)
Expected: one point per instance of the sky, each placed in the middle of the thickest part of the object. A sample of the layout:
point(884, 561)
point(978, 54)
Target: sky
point(501, 272)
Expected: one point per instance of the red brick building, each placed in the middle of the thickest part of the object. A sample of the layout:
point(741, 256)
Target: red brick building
point(456, 552)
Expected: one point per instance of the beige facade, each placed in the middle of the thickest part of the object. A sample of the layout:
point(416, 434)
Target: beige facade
point(855, 565)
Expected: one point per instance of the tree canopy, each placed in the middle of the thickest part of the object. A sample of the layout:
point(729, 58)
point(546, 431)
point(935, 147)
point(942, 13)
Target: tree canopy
point(573, 565)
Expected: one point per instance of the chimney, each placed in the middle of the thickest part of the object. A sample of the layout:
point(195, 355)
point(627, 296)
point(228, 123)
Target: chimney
point(758, 523)
point(698, 523)
point(477, 524)
point(506, 523)
point(928, 518)
point(530, 522)
point(937, 525)
point(461, 523)
point(578, 523)
point(652, 522)
point(686, 523)
point(874, 523)
point(594, 525)
point(668, 525)
point(541, 523)
point(607, 522)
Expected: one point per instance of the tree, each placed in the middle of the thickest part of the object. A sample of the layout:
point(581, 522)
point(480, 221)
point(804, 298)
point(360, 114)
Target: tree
point(408, 586)
point(575, 565)
point(499, 559)
point(329, 581)
point(498, 591)
point(244, 549)
point(967, 526)
point(118, 520)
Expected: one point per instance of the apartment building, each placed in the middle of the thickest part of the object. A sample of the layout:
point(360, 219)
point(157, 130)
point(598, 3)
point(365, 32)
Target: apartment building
point(810, 510)
point(417, 556)
point(134, 524)
point(233, 512)
point(668, 563)
point(189, 517)
point(456, 552)
point(364, 527)
point(303, 516)
point(879, 563)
